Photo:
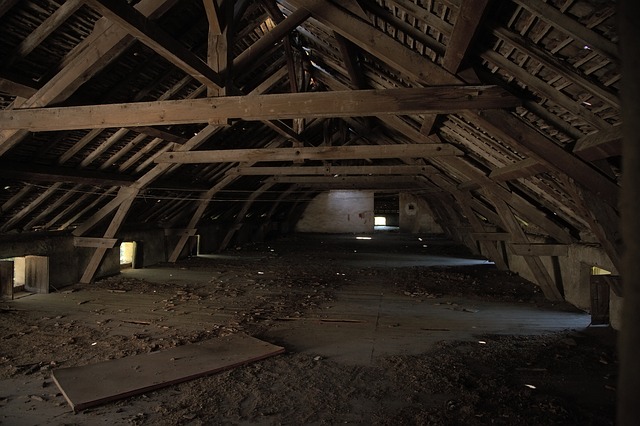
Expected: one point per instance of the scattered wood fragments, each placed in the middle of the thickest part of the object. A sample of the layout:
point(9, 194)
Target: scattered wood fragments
point(96, 384)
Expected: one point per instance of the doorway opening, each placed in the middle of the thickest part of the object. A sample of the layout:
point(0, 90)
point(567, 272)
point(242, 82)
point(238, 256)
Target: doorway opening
point(127, 252)
point(386, 213)
point(24, 273)
point(600, 285)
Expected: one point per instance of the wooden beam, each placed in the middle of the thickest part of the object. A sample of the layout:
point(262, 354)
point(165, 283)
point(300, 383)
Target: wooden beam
point(441, 99)
point(425, 15)
point(539, 271)
point(157, 39)
point(349, 152)
point(572, 27)
point(349, 54)
point(79, 213)
point(15, 88)
point(551, 62)
point(266, 42)
point(348, 180)
point(94, 242)
point(6, 5)
point(469, 17)
point(514, 132)
point(242, 213)
point(521, 169)
point(402, 26)
point(161, 134)
point(180, 232)
point(334, 170)
point(104, 146)
point(423, 70)
point(216, 19)
point(491, 236)
point(100, 252)
point(51, 207)
point(218, 41)
point(497, 192)
point(30, 207)
point(37, 173)
point(372, 40)
point(545, 90)
point(123, 195)
point(599, 145)
point(105, 43)
point(535, 249)
point(45, 29)
point(197, 215)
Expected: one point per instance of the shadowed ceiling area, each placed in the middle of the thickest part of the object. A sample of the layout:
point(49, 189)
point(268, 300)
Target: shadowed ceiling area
point(174, 114)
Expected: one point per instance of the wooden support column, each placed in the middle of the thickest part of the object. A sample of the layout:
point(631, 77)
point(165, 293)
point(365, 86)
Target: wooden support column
point(6, 278)
point(489, 248)
point(243, 211)
point(100, 252)
point(217, 55)
point(629, 345)
point(540, 273)
point(195, 218)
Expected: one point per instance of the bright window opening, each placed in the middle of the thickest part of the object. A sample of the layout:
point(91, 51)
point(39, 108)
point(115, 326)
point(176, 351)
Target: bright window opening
point(380, 221)
point(599, 271)
point(127, 250)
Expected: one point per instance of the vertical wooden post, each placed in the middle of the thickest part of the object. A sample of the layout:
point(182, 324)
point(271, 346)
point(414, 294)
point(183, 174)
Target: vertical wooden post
point(629, 345)
point(37, 274)
point(6, 278)
point(511, 225)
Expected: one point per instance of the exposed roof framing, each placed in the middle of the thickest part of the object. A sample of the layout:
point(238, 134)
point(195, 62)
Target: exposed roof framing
point(508, 111)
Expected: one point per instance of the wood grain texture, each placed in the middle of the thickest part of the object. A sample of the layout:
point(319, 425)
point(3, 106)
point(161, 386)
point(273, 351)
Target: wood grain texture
point(96, 384)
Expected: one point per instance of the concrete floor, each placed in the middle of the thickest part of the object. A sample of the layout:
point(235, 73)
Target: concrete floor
point(367, 318)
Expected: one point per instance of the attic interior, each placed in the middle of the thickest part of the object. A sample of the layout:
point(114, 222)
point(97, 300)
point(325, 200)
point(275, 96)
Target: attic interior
point(166, 164)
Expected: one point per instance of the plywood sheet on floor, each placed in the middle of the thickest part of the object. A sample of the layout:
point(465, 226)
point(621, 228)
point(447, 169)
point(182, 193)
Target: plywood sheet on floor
point(95, 384)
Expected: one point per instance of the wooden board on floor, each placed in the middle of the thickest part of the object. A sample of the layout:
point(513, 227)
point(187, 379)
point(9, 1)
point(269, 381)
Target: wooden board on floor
point(95, 384)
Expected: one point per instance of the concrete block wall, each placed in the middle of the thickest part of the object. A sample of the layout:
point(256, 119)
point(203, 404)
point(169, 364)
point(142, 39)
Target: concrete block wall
point(416, 216)
point(338, 212)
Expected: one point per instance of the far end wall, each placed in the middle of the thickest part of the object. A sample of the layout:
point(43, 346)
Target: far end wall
point(338, 212)
point(416, 216)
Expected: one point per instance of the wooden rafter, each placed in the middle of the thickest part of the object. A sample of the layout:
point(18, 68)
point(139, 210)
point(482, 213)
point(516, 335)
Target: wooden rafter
point(511, 130)
point(34, 173)
point(601, 144)
point(16, 88)
point(157, 39)
point(49, 25)
point(556, 65)
point(104, 44)
point(470, 15)
point(544, 89)
point(572, 27)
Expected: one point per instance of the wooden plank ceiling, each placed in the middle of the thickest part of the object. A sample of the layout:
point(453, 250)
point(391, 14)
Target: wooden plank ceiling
point(107, 106)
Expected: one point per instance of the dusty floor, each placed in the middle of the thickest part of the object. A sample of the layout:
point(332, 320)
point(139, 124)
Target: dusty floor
point(393, 330)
